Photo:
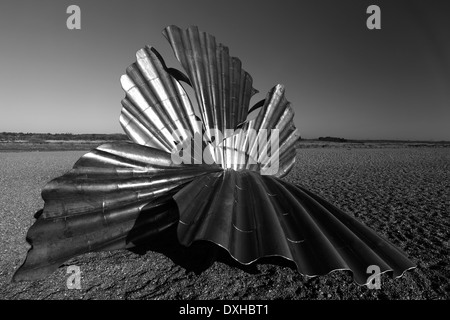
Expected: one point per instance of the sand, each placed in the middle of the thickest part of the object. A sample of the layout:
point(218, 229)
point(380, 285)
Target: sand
point(401, 193)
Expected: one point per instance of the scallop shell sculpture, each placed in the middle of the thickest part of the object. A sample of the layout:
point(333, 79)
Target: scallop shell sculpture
point(226, 190)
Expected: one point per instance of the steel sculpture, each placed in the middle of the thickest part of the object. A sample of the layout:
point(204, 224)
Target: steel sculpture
point(121, 195)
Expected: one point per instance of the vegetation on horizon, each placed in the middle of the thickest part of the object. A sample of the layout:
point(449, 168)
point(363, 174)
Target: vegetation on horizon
point(42, 137)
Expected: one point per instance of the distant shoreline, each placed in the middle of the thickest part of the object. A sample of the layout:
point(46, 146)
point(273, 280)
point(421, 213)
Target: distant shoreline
point(36, 137)
point(77, 145)
point(367, 144)
point(22, 142)
point(26, 146)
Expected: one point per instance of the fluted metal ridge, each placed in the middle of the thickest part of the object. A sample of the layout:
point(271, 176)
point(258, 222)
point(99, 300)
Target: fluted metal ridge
point(116, 195)
point(254, 216)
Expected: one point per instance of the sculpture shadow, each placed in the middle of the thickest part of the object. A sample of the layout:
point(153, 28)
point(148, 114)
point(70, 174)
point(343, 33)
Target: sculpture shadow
point(200, 255)
point(155, 230)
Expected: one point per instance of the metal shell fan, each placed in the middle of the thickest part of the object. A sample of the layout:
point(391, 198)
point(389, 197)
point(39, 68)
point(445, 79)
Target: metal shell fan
point(227, 190)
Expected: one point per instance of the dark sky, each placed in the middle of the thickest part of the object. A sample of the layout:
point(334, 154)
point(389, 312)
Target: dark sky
point(343, 79)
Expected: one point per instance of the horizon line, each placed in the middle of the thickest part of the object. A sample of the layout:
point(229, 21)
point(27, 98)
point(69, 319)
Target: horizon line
point(300, 138)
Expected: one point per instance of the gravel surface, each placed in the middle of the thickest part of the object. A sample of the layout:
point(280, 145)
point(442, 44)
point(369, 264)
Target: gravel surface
point(402, 193)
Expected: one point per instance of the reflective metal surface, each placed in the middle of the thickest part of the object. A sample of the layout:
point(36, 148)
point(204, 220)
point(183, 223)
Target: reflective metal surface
point(124, 194)
point(254, 216)
point(115, 197)
point(223, 89)
point(156, 104)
